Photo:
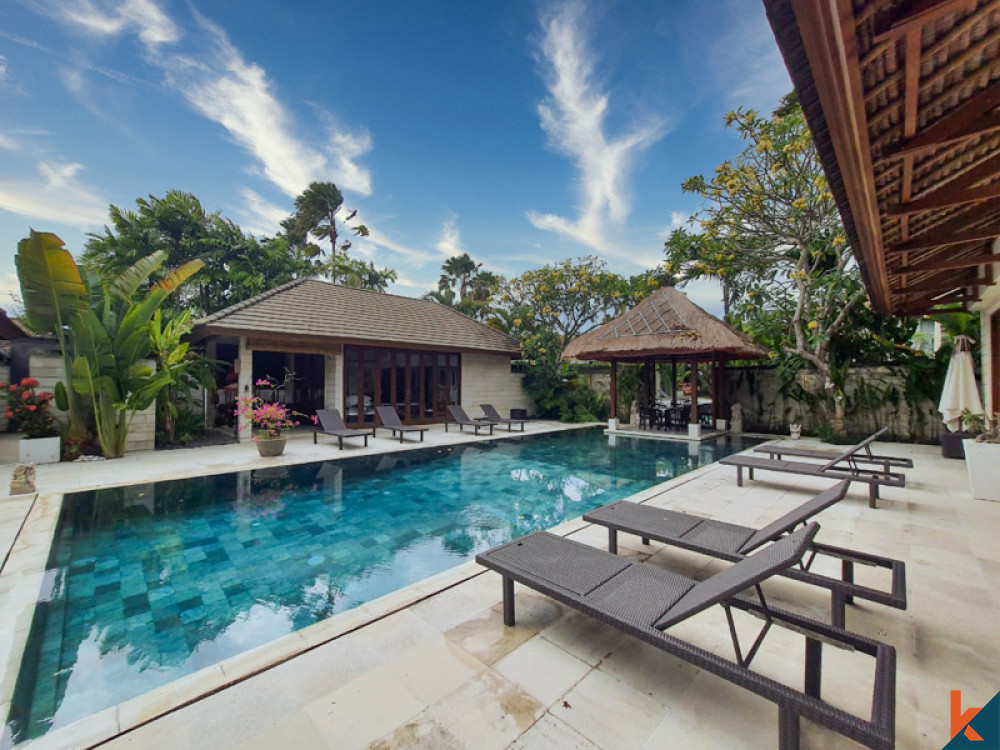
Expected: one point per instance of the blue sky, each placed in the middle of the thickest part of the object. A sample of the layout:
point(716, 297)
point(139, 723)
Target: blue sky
point(522, 133)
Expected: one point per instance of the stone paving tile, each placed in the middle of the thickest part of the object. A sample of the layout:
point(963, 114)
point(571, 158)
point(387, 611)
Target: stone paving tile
point(493, 687)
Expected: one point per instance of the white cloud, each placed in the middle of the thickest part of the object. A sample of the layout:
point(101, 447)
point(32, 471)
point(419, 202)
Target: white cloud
point(451, 239)
point(144, 17)
point(220, 84)
point(3, 69)
point(261, 216)
point(57, 195)
point(224, 87)
point(573, 117)
point(7, 143)
point(382, 240)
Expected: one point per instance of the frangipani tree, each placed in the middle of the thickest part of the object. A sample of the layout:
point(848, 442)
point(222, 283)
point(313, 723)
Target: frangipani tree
point(771, 233)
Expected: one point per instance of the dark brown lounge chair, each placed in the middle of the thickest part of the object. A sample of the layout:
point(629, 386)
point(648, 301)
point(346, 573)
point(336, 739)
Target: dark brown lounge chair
point(390, 421)
point(459, 417)
point(775, 450)
point(332, 424)
point(645, 601)
point(841, 466)
point(731, 542)
point(494, 416)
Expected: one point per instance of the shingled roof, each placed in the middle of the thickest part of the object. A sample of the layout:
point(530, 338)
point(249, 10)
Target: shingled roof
point(665, 324)
point(320, 312)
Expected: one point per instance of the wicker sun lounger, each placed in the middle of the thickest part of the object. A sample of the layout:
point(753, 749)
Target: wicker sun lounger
point(332, 424)
point(645, 601)
point(390, 421)
point(841, 466)
point(459, 417)
point(731, 542)
point(865, 455)
point(494, 416)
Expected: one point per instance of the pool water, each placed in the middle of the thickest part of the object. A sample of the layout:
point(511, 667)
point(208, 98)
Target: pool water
point(148, 583)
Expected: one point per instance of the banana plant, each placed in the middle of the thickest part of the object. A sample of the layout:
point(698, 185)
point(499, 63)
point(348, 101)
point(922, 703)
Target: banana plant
point(187, 369)
point(54, 293)
point(112, 345)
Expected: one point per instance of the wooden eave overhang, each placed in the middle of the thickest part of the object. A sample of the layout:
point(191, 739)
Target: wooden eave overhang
point(903, 100)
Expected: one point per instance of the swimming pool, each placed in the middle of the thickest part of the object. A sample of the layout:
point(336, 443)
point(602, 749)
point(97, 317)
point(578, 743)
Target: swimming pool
point(148, 583)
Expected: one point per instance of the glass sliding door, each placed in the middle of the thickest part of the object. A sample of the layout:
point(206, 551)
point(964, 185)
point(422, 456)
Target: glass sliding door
point(417, 385)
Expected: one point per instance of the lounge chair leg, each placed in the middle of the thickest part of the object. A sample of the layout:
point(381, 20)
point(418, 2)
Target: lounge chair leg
point(847, 569)
point(750, 470)
point(814, 667)
point(788, 728)
point(838, 609)
point(315, 436)
point(645, 540)
point(872, 495)
point(613, 541)
point(739, 476)
point(366, 441)
point(508, 601)
point(340, 442)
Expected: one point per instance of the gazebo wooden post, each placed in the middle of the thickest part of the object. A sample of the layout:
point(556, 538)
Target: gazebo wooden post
point(723, 404)
point(614, 389)
point(673, 382)
point(650, 382)
point(694, 391)
point(715, 389)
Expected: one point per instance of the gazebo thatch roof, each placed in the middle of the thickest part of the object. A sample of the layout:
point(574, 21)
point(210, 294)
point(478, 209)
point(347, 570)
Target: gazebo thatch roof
point(665, 324)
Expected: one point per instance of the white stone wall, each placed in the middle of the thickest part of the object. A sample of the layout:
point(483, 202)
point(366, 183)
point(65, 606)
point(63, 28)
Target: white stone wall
point(49, 370)
point(246, 388)
point(487, 379)
point(333, 379)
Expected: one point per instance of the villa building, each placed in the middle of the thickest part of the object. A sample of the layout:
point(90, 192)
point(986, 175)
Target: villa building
point(331, 346)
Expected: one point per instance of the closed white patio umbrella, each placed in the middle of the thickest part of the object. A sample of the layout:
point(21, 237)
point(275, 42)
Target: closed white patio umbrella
point(960, 391)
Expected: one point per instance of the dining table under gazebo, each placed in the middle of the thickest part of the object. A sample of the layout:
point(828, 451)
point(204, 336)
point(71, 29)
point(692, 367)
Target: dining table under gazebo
point(667, 327)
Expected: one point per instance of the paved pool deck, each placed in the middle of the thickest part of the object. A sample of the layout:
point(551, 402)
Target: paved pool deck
point(432, 665)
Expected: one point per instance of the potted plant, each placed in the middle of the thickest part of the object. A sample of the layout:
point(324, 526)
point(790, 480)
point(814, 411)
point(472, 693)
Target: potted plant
point(952, 443)
point(30, 411)
point(271, 420)
point(982, 455)
point(795, 427)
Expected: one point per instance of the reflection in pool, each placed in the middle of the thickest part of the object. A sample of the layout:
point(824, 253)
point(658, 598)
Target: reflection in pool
point(151, 582)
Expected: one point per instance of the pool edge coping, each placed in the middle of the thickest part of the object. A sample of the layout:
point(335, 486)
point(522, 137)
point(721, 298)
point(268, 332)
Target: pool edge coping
point(106, 724)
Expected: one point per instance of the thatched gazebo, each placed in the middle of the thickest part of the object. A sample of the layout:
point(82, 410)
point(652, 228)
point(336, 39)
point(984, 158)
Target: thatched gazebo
point(665, 327)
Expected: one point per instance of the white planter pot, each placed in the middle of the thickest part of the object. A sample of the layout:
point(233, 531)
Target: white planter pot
point(795, 431)
point(39, 450)
point(694, 430)
point(720, 424)
point(983, 462)
point(613, 424)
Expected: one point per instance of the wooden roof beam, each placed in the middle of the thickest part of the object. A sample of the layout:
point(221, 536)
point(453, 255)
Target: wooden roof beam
point(956, 192)
point(944, 198)
point(950, 233)
point(947, 264)
point(914, 15)
point(973, 116)
point(942, 285)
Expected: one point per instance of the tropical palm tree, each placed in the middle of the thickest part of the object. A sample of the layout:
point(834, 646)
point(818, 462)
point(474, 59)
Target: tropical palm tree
point(459, 271)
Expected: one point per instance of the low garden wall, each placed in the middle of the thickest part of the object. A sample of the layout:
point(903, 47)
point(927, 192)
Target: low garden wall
point(48, 371)
point(766, 408)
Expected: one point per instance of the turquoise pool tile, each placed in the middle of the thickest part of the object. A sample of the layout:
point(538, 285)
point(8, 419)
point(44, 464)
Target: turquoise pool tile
point(212, 572)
